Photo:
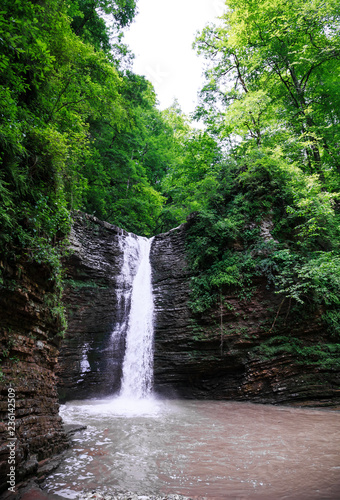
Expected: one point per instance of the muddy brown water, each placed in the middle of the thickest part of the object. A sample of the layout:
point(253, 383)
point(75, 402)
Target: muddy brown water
point(211, 449)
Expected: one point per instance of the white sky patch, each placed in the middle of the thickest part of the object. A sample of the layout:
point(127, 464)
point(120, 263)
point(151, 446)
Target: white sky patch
point(161, 38)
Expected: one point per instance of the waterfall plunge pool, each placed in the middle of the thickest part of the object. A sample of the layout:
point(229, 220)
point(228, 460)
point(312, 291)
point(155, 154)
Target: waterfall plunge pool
point(210, 449)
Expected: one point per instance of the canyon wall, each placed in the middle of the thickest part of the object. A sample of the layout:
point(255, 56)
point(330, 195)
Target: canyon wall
point(215, 355)
point(30, 429)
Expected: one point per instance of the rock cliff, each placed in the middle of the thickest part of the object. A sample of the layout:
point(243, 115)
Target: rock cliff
point(30, 428)
point(224, 354)
point(221, 354)
point(89, 363)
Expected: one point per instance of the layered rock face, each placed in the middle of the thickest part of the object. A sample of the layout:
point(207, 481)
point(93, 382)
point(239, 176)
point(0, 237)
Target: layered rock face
point(31, 428)
point(216, 355)
point(90, 363)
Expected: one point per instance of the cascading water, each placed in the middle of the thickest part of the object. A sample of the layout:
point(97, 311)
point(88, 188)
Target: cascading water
point(136, 320)
point(130, 248)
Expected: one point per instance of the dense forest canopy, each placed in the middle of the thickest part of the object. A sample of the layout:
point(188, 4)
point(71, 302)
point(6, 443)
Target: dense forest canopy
point(80, 130)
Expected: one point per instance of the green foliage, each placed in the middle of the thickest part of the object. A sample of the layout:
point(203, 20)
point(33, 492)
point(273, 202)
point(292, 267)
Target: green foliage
point(127, 162)
point(274, 211)
point(331, 318)
point(192, 182)
point(75, 130)
point(271, 75)
point(54, 83)
point(214, 263)
point(319, 354)
point(316, 278)
point(266, 189)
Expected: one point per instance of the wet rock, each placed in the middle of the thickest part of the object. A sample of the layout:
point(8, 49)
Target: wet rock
point(71, 429)
point(46, 467)
point(29, 490)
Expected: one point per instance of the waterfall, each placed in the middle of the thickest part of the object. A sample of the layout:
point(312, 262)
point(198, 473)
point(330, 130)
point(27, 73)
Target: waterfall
point(137, 378)
point(129, 246)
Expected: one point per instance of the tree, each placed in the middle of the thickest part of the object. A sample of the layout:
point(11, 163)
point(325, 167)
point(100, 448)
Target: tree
point(52, 86)
point(274, 69)
point(270, 99)
point(99, 23)
point(128, 161)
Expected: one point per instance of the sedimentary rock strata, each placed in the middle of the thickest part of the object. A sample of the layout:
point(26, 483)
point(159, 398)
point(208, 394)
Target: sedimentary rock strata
point(29, 343)
point(213, 355)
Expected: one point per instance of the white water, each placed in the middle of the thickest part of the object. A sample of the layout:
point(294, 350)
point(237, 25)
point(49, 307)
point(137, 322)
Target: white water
point(137, 377)
point(129, 246)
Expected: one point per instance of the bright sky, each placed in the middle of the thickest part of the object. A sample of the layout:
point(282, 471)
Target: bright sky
point(161, 38)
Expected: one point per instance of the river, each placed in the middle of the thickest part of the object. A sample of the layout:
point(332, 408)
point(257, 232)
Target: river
point(211, 449)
